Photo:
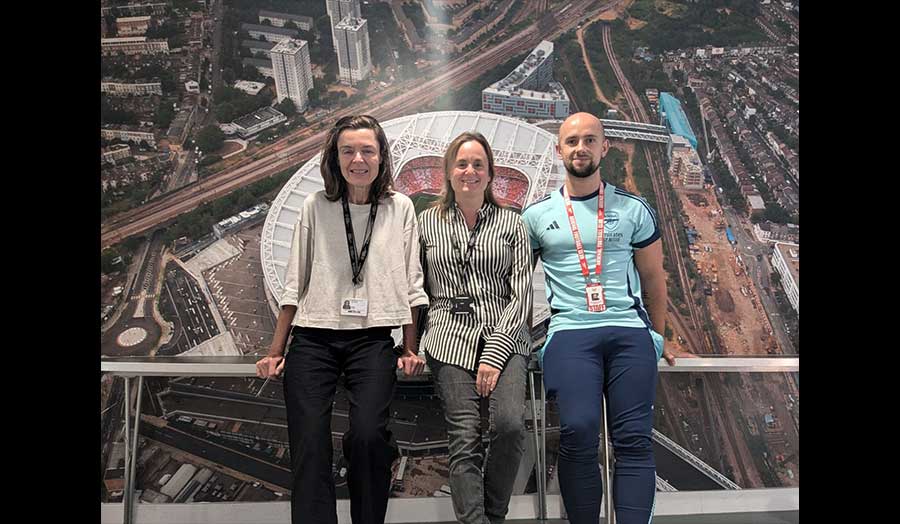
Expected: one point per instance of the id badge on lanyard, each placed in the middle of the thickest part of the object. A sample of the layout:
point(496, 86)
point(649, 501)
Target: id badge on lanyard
point(352, 306)
point(593, 290)
point(462, 304)
point(596, 300)
point(355, 307)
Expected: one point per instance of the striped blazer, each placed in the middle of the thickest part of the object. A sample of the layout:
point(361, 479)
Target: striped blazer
point(498, 278)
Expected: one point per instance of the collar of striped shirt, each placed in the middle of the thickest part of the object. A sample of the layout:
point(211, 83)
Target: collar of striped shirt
point(485, 209)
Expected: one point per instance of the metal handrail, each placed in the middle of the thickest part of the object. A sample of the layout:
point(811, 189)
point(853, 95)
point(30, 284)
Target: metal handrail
point(245, 366)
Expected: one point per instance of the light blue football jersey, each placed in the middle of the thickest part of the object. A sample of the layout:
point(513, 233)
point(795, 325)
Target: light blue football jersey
point(629, 224)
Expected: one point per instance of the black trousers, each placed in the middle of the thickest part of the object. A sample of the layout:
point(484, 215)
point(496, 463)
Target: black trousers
point(314, 363)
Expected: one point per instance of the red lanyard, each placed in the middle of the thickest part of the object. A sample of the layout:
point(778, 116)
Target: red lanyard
point(579, 246)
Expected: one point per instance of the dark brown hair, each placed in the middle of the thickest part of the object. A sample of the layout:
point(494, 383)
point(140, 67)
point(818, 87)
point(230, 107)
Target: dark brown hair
point(448, 196)
point(330, 167)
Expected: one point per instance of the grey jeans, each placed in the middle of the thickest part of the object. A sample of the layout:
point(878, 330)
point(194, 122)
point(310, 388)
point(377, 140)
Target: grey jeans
point(481, 490)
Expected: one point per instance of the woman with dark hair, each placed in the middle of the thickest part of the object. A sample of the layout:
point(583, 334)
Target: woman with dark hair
point(340, 302)
point(477, 262)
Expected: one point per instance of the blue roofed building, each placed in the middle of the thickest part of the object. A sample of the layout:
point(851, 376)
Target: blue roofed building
point(673, 117)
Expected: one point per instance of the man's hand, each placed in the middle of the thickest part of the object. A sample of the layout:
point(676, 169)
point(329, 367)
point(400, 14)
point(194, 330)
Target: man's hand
point(270, 366)
point(670, 356)
point(410, 363)
point(486, 380)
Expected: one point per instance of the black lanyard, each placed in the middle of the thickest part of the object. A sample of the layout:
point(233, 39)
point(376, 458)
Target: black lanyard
point(357, 261)
point(470, 248)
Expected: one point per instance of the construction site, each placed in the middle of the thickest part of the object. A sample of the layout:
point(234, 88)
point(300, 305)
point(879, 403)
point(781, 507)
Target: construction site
point(742, 326)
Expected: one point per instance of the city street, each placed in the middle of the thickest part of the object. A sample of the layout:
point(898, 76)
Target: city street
point(183, 303)
point(756, 257)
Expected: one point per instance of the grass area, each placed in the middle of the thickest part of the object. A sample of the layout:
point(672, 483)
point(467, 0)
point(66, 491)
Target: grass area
point(570, 73)
point(641, 74)
point(670, 9)
point(678, 26)
point(606, 79)
point(641, 174)
point(612, 167)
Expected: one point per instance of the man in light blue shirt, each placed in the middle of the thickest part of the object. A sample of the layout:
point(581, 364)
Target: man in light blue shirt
point(602, 336)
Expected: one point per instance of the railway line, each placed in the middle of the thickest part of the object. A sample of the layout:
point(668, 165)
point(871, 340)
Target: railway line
point(288, 151)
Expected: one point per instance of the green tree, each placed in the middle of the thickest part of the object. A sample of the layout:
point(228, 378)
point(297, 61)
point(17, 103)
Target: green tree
point(164, 115)
point(228, 75)
point(209, 160)
point(112, 115)
point(287, 107)
point(775, 213)
point(225, 112)
point(210, 139)
point(252, 73)
point(108, 259)
point(315, 94)
point(224, 94)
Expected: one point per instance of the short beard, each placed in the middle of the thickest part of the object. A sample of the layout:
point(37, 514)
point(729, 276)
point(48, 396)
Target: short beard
point(587, 171)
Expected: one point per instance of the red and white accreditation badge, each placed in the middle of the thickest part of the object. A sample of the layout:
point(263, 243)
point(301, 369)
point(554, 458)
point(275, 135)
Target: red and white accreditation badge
point(595, 300)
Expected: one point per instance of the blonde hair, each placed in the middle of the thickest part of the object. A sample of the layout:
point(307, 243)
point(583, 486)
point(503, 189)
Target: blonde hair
point(448, 196)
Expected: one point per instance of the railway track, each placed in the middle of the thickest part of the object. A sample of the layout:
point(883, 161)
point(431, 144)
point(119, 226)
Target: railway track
point(289, 152)
point(664, 205)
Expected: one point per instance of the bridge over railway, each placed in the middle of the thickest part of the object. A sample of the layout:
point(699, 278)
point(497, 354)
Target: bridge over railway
point(624, 129)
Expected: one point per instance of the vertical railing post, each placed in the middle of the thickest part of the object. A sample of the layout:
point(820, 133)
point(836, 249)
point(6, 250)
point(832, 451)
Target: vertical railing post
point(538, 469)
point(126, 495)
point(543, 454)
point(134, 444)
point(607, 474)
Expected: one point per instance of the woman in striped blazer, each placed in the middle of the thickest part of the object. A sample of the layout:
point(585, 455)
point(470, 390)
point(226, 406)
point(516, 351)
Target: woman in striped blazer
point(478, 269)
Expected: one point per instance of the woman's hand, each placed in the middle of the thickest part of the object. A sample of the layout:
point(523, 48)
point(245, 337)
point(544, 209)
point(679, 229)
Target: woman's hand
point(270, 366)
point(487, 379)
point(410, 363)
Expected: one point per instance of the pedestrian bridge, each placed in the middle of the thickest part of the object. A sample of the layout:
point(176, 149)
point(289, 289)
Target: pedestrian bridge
point(624, 129)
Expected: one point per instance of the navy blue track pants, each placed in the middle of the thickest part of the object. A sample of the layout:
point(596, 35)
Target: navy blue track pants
point(580, 366)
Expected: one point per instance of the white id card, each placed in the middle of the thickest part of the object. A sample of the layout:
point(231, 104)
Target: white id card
point(595, 300)
point(355, 307)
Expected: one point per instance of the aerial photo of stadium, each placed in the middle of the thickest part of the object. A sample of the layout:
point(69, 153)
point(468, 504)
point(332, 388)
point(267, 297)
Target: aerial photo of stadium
point(527, 168)
point(214, 115)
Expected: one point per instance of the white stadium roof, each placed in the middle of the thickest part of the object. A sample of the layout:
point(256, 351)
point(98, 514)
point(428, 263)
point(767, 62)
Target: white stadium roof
point(516, 144)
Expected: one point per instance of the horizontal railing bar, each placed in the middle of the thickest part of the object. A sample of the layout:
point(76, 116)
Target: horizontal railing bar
point(429, 509)
point(245, 366)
